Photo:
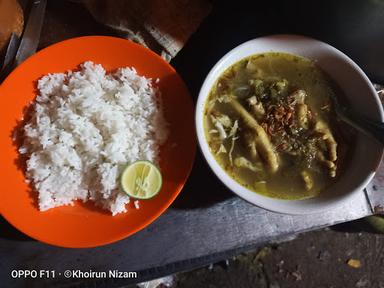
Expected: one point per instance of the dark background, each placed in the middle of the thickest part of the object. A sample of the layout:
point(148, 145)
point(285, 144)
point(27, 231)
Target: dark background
point(355, 27)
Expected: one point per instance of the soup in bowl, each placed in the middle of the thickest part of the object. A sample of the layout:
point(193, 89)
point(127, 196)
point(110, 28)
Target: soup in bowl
point(267, 127)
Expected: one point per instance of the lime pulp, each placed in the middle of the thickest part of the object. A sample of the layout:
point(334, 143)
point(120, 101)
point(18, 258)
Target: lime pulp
point(141, 180)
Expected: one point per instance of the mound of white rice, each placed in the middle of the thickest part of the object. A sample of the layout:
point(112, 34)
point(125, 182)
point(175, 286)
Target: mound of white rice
point(86, 126)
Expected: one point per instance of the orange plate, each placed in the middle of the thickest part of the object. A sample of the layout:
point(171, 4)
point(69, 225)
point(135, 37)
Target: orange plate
point(83, 225)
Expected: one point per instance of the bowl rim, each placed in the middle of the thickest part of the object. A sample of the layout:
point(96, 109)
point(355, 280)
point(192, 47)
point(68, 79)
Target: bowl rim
point(248, 195)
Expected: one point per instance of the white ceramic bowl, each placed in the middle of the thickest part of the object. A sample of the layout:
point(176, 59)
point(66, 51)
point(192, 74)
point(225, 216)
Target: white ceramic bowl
point(357, 88)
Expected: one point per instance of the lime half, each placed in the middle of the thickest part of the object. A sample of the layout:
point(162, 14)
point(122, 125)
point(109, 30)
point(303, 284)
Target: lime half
point(141, 180)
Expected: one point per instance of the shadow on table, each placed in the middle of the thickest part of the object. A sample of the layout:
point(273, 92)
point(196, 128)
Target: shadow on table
point(203, 188)
point(78, 22)
point(357, 226)
point(7, 231)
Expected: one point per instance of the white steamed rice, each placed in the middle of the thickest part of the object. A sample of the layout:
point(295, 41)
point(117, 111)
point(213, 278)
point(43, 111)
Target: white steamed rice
point(86, 126)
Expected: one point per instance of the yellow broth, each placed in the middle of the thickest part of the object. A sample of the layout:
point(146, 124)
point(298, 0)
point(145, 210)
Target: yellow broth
point(302, 132)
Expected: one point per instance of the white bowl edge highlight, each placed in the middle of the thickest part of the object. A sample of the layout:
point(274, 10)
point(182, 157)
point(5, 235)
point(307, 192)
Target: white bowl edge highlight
point(354, 83)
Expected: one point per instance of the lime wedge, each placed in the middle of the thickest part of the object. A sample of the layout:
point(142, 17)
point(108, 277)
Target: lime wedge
point(141, 180)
